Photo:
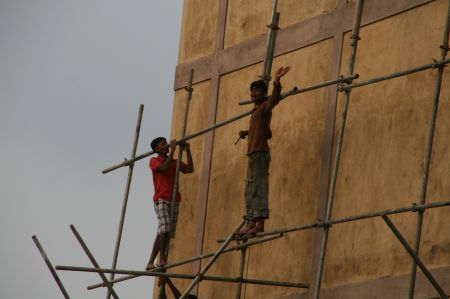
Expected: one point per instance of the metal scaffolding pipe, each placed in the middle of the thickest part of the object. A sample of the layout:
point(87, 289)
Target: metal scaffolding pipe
point(125, 197)
point(216, 255)
point(414, 256)
point(412, 208)
point(193, 259)
point(176, 184)
point(50, 267)
point(183, 276)
point(427, 159)
point(93, 261)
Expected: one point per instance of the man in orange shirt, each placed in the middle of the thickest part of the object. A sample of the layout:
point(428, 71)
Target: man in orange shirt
point(257, 182)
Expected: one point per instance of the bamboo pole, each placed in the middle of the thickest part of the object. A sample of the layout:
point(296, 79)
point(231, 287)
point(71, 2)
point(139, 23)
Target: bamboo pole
point(126, 194)
point(427, 159)
point(354, 46)
point(193, 259)
point(412, 208)
point(183, 276)
point(293, 91)
point(50, 267)
point(271, 41)
point(189, 89)
point(216, 255)
point(414, 256)
point(241, 273)
point(93, 261)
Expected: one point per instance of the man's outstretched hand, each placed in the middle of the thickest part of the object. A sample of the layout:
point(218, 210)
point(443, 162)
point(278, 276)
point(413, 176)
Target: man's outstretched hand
point(281, 72)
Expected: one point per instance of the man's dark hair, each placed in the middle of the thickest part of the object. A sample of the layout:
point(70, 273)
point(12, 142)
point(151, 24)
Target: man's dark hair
point(260, 84)
point(155, 142)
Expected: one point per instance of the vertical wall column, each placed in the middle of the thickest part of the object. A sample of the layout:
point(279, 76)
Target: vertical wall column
point(205, 170)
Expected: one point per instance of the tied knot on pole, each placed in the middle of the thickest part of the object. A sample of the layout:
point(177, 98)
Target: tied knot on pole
point(189, 89)
point(415, 208)
point(323, 224)
point(435, 63)
point(445, 47)
point(127, 162)
point(273, 26)
point(354, 38)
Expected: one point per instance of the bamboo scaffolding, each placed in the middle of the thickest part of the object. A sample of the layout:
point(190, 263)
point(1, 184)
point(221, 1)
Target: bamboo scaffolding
point(162, 292)
point(354, 46)
point(293, 91)
point(319, 224)
point(183, 276)
point(216, 255)
point(241, 272)
point(93, 261)
point(193, 259)
point(271, 41)
point(126, 194)
point(414, 256)
point(50, 267)
point(427, 159)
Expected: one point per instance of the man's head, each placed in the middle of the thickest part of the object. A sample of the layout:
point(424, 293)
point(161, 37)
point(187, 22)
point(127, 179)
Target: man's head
point(258, 91)
point(159, 145)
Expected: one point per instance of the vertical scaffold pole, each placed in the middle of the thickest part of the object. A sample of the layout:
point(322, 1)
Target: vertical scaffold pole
point(271, 40)
point(241, 273)
point(354, 44)
point(50, 267)
point(125, 197)
point(189, 90)
point(216, 255)
point(427, 159)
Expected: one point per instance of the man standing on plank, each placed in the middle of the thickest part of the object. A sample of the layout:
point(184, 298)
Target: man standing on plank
point(163, 168)
point(257, 182)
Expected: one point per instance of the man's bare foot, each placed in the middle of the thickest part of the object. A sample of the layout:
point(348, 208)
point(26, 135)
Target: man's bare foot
point(245, 230)
point(252, 232)
point(150, 267)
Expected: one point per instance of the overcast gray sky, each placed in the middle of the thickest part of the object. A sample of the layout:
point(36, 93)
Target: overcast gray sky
point(72, 76)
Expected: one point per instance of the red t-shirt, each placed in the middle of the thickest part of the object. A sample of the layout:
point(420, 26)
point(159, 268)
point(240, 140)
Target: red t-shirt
point(164, 181)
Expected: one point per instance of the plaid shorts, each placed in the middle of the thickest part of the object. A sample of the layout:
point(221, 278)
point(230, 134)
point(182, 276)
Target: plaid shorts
point(162, 209)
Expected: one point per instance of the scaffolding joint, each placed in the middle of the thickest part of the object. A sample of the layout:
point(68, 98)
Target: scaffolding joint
point(273, 26)
point(445, 47)
point(416, 208)
point(323, 224)
point(189, 89)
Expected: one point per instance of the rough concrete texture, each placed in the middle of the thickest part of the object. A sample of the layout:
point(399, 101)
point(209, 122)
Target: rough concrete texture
point(198, 29)
point(384, 147)
point(182, 246)
point(248, 18)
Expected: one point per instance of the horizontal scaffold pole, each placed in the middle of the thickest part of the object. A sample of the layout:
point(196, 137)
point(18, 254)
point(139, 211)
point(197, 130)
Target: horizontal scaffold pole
point(412, 208)
point(293, 91)
point(193, 259)
point(433, 65)
point(184, 276)
point(296, 90)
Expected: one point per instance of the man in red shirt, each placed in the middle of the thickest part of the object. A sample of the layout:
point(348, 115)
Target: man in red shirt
point(163, 169)
point(258, 152)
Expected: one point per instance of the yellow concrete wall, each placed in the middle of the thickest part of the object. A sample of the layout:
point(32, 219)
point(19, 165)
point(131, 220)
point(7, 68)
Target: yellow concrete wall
point(248, 18)
point(384, 147)
point(198, 29)
point(382, 157)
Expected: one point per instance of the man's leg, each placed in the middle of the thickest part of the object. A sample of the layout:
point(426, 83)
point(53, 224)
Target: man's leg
point(260, 203)
point(155, 250)
point(163, 240)
point(249, 190)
